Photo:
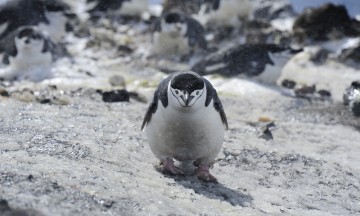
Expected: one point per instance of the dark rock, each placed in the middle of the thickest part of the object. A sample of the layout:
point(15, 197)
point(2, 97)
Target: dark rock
point(324, 93)
point(115, 96)
point(289, 84)
point(325, 22)
point(124, 50)
point(4, 205)
point(305, 90)
point(6, 210)
point(108, 203)
point(45, 101)
point(30, 178)
point(310, 93)
point(351, 56)
point(4, 93)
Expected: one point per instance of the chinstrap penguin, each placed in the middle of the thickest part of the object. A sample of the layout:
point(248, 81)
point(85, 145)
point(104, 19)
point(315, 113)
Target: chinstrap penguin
point(178, 34)
point(49, 15)
point(28, 53)
point(262, 62)
point(186, 121)
point(351, 98)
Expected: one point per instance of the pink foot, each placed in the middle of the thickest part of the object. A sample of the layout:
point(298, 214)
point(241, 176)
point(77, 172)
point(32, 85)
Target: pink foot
point(170, 168)
point(203, 174)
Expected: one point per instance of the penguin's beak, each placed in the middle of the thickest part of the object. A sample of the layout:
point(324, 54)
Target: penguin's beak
point(187, 98)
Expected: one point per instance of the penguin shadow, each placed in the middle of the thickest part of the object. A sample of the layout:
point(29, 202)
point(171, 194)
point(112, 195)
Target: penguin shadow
point(215, 191)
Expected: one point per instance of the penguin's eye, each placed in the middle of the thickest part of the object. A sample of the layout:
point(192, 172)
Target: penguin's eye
point(197, 92)
point(176, 92)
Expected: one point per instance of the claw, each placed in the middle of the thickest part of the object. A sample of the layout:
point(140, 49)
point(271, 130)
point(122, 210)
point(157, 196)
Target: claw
point(203, 174)
point(169, 167)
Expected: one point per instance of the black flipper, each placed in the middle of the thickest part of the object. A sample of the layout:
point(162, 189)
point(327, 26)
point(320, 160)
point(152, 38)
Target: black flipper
point(212, 95)
point(159, 95)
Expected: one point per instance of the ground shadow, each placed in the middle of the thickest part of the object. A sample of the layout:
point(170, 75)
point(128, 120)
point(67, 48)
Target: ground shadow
point(214, 190)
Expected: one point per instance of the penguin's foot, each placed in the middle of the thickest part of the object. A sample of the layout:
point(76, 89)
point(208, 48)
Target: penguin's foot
point(170, 168)
point(203, 174)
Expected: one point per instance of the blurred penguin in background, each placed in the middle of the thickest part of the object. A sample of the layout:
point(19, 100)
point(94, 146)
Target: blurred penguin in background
point(175, 33)
point(49, 15)
point(28, 54)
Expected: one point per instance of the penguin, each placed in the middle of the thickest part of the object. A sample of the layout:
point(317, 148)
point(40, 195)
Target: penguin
point(58, 19)
point(186, 122)
point(178, 34)
point(123, 7)
point(224, 13)
point(351, 98)
point(28, 53)
point(49, 15)
point(261, 62)
point(190, 7)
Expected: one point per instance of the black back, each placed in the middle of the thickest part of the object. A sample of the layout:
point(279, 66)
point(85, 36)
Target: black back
point(249, 59)
point(192, 83)
point(18, 13)
point(196, 33)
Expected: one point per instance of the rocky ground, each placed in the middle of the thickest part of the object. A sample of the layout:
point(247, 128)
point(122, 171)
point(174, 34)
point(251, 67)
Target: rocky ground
point(87, 157)
point(65, 151)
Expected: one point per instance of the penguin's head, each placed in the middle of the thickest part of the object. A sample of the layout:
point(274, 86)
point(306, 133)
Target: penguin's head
point(174, 22)
point(187, 92)
point(29, 38)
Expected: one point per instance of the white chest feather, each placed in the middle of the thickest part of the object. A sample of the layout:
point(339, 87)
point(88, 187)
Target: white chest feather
point(30, 57)
point(186, 135)
point(134, 7)
point(170, 43)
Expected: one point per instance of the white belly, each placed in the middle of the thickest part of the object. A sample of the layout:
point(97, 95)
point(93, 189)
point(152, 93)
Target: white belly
point(186, 136)
point(134, 7)
point(29, 59)
point(170, 43)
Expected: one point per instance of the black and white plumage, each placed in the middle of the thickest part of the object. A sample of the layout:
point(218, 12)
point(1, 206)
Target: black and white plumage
point(122, 7)
point(263, 62)
point(190, 6)
point(178, 34)
point(186, 121)
point(28, 54)
point(351, 97)
point(223, 13)
point(49, 15)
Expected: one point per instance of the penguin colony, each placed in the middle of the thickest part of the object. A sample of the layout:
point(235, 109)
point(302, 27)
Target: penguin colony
point(185, 120)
